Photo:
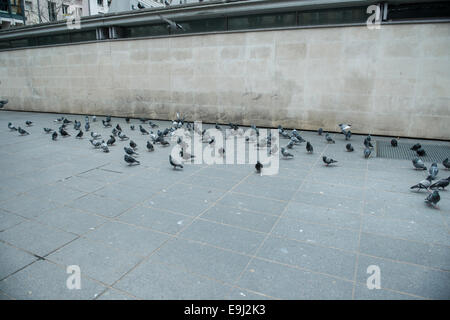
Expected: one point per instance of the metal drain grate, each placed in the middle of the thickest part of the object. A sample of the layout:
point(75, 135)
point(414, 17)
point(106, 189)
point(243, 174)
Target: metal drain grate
point(434, 152)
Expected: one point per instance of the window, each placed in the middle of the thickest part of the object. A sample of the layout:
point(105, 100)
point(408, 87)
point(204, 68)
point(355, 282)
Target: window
point(29, 5)
point(146, 31)
point(273, 20)
point(419, 11)
point(52, 11)
point(4, 5)
point(100, 3)
point(333, 16)
point(83, 36)
point(204, 25)
point(65, 9)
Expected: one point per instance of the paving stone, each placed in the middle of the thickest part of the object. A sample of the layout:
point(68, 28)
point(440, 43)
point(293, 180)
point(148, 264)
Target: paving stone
point(240, 218)
point(56, 193)
point(43, 280)
point(303, 255)
point(179, 204)
point(156, 281)
point(242, 294)
point(128, 238)
point(317, 234)
point(112, 294)
point(198, 258)
point(28, 206)
point(13, 260)
point(36, 238)
point(155, 219)
point(362, 292)
point(100, 205)
point(257, 204)
point(239, 240)
point(8, 220)
point(96, 260)
point(292, 284)
point(407, 278)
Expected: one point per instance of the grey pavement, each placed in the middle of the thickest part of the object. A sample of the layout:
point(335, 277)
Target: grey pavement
point(212, 231)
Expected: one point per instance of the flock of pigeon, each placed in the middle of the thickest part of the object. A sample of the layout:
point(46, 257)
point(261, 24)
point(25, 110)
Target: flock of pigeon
point(294, 138)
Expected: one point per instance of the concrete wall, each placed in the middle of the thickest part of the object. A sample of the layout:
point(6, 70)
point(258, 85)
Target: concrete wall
point(393, 81)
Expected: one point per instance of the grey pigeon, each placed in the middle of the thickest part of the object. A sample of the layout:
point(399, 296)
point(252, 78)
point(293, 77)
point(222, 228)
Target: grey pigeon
point(164, 143)
point(328, 161)
point(114, 132)
point(171, 25)
point(122, 136)
point(367, 153)
point(433, 171)
point(28, 123)
point(106, 124)
point(54, 135)
point(367, 143)
point(22, 132)
point(133, 144)
point(421, 152)
point(87, 126)
point(221, 152)
point(150, 146)
point(127, 120)
point(185, 155)
point(349, 147)
point(433, 198)
point(79, 135)
point(446, 163)
point(175, 163)
point(118, 127)
point(143, 131)
point(258, 166)
point(348, 135)
point(418, 164)
point(130, 160)
point(132, 127)
point(441, 184)
point(394, 143)
point(11, 127)
point(2, 103)
point(48, 130)
point(290, 145)
point(424, 184)
point(344, 127)
point(94, 118)
point(309, 147)
point(111, 141)
point(64, 133)
point(416, 147)
point(286, 154)
point(329, 139)
point(105, 147)
point(96, 143)
point(129, 151)
point(320, 131)
point(95, 135)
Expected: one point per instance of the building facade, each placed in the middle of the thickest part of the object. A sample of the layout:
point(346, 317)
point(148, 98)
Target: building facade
point(11, 13)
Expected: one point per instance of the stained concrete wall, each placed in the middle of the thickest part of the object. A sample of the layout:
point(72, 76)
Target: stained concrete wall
point(392, 81)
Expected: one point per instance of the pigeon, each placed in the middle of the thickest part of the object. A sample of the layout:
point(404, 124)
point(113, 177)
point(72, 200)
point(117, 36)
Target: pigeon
point(11, 127)
point(2, 103)
point(86, 118)
point(348, 135)
point(22, 132)
point(132, 127)
point(290, 145)
point(127, 120)
point(150, 146)
point(433, 198)
point(153, 125)
point(418, 164)
point(77, 125)
point(424, 184)
point(122, 136)
point(328, 161)
point(329, 139)
point(367, 153)
point(171, 25)
point(416, 147)
point(286, 154)
point(217, 127)
point(164, 143)
point(367, 143)
point(394, 143)
point(66, 121)
point(111, 141)
point(95, 135)
point(175, 163)
point(94, 118)
point(118, 127)
point(221, 152)
point(143, 120)
point(28, 123)
point(309, 147)
point(130, 160)
point(440, 184)
point(349, 147)
point(320, 131)
point(129, 151)
point(64, 133)
point(258, 166)
point(421, 152)
point(48, 130)
point(446, 163)
point(133, 145)
point(105, 147)
point(106, 124)
point(434, 170)
point(274, 149)
point(79, 135)
point(96, 143)
point(54, 135)
point(344, 127)
point(87, 126)
point(108, 118)
point(143, 131)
